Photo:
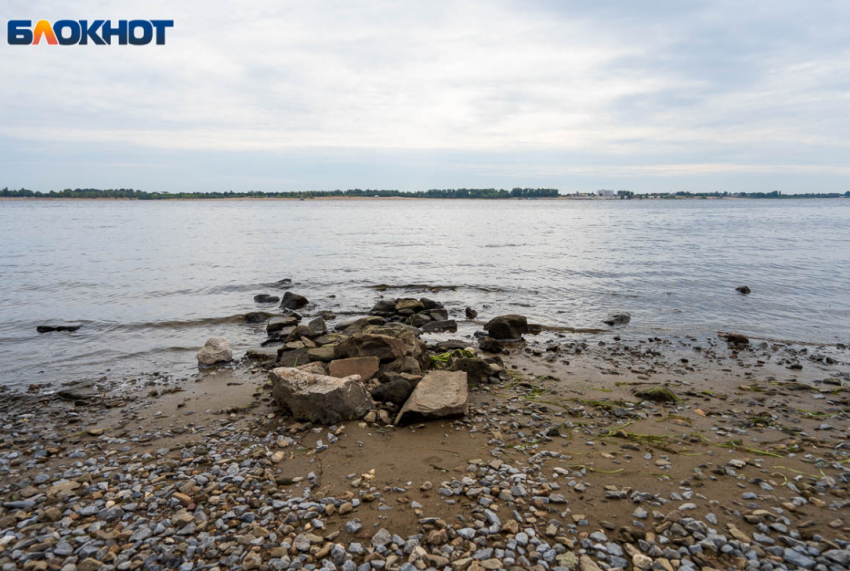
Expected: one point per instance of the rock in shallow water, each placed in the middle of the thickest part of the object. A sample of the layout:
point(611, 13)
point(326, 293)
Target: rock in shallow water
point(266, 298)
point(317, 398)
point(293, 301)
point(507, 327)
point(617, 318)
point(215, 350)
point(50, 328)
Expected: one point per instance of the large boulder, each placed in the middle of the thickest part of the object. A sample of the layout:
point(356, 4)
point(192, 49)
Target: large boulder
point(439, 394)
point(293, 301)
point(507, 327)
point(319, 398)
point(215, 350)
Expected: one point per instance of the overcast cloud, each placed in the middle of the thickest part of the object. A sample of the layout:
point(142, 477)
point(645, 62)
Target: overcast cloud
point(282, 95)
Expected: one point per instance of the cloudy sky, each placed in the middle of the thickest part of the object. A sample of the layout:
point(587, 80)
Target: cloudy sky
point(290, 95)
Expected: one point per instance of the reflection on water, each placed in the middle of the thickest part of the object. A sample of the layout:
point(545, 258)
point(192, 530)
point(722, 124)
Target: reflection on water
point(152, 281)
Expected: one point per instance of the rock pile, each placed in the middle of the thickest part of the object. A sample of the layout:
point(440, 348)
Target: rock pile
point(385, 353)
point(429, 315)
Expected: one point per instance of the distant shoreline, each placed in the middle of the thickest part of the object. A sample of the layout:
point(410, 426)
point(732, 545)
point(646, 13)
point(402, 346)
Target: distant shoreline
point(401, 198)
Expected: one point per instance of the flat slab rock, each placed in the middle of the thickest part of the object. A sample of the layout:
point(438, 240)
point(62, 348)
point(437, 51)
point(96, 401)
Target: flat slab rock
point(366, 367)
point(439, 394)
point(319, 398)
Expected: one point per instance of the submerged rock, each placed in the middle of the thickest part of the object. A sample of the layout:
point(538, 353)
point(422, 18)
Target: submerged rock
point(617, 318)
point(257, 316)
point(743, 289)
point(506, 327)
point(735, 338)
point(470, 313)
point(50, 328)
point(319, 398)
point(215, 350)
point(293, 301)
point(266, 298)
point(438, 394)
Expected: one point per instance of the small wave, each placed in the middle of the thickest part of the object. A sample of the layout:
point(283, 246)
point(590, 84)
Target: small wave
point(178, 323)
point(157, 351)
point(434, 288)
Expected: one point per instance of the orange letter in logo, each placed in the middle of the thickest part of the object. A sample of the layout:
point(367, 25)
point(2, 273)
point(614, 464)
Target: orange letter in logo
point(43, 29)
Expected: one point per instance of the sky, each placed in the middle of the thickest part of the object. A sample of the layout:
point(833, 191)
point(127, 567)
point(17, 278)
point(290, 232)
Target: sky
point(282, 95)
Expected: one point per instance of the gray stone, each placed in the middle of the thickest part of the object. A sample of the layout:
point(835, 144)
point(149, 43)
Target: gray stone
point(798, 559)
point(215, 350)
point(617, 318)
point(507, 327)
point(439, 394)
point(317, 398)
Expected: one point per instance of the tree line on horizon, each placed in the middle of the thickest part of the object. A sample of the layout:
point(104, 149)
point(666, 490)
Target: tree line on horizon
point(130, 193)
point(452, 193)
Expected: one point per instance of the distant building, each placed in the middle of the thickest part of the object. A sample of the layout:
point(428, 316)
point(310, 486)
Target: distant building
point(604, 193)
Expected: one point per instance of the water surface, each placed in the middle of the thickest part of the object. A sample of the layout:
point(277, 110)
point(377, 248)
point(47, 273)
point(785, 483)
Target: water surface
point(151, 281)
